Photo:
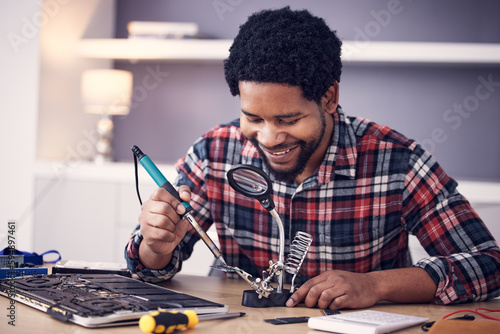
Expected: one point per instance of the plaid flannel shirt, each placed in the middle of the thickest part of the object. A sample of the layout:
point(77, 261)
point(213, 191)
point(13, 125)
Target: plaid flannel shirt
point(373, 188)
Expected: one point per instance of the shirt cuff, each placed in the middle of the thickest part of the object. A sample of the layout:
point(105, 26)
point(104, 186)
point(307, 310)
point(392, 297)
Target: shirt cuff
point(450, 290)
point(150, 275)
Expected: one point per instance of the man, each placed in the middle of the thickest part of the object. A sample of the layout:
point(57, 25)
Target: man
point(357, 187)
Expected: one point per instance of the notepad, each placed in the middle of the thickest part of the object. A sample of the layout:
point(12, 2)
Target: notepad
point(364, 322)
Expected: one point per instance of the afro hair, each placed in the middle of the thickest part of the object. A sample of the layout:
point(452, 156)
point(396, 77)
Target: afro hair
point(288, 47)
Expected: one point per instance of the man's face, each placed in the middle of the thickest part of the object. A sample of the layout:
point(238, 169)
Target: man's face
point(290, 132)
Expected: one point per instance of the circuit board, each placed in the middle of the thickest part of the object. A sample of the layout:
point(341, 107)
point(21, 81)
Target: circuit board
point(100, 300)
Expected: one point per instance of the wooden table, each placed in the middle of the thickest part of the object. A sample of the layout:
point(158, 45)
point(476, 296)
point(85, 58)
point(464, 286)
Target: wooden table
point(225, 291)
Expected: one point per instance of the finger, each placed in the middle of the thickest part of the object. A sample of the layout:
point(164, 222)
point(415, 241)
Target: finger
point(159, 239)
point(302, 292)
point(157, 221)
point(162, 195)
point(296, 297)
point(158, 214)
point(153, 234)
point(185, 193)
point(339, 303)
point(163, 209)
point(181, 228)
point(316, 291)
point(329, 296)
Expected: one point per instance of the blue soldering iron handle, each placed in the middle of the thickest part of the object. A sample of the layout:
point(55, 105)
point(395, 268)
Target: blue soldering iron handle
point(158, 177)
point(162, 181)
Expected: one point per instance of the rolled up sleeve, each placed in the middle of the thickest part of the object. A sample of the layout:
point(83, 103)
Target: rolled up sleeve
point(464, 258)
point(150, 275)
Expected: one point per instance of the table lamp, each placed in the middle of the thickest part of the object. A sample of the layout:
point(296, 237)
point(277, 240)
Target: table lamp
point(106, 92)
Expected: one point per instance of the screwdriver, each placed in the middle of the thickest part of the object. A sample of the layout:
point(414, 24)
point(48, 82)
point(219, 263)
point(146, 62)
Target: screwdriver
point(164, 321)
point(162, 182)
point(167, 322)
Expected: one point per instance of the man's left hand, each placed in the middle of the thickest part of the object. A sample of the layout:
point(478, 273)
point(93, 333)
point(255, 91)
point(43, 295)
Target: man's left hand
point(336, 289)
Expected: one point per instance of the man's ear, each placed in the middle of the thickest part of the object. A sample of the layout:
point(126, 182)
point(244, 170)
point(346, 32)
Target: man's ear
point(330, 100)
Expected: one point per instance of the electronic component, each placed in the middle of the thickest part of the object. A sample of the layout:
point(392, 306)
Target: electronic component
point(11, 261)
point(85, 267)
point(285, 321)
point(17, 272)
point(100, 300)
point(330, 312)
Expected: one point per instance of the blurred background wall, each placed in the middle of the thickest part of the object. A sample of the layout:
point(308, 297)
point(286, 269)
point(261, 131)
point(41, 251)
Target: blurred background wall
point(50, 187)
point(421, 101)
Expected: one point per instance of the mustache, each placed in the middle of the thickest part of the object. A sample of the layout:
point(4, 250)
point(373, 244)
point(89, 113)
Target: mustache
point(279, 147)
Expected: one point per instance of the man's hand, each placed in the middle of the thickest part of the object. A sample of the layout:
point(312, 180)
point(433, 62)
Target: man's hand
point(161, 227)
point(336, 289)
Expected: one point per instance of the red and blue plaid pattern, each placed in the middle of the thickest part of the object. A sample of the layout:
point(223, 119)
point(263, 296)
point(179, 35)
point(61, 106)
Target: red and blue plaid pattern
point(373, 188)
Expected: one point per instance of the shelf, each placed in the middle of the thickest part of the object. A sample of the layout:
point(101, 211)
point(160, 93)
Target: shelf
point(421, 52)
point(353, 52)
point(154, 49)
point(107, 172)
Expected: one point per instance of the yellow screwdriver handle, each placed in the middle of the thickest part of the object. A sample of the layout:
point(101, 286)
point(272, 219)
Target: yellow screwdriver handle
point(167, 321)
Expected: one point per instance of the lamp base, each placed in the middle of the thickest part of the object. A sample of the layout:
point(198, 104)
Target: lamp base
point(100, 159)
point(103, 147)
point(251, 299)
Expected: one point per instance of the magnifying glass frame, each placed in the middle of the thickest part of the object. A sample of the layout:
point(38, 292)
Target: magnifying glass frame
point(265, 197)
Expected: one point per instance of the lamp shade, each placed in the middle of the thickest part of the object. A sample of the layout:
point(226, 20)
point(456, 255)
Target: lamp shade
point(106, 91)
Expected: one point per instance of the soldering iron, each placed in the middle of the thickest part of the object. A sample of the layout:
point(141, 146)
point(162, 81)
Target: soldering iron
point(162, 182)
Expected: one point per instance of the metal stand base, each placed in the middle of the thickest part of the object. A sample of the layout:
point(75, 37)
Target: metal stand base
point(251, 299)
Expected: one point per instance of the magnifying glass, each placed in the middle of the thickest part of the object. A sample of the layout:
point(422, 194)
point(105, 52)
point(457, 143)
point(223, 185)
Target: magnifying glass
point(253, 182)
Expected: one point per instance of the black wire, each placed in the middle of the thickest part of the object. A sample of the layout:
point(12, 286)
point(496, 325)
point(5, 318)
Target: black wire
point(425, 327)
point(137, 179)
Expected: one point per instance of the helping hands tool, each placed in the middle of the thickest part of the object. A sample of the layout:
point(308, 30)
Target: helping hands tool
point(262, 287)
point(253, 182)
point(162, 182)
point(298, 251)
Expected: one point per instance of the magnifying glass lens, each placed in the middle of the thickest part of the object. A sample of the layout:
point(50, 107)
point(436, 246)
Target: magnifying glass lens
point(250, 181)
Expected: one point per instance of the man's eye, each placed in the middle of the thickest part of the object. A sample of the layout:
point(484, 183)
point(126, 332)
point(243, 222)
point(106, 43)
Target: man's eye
point(288, 122)
point(254, 120)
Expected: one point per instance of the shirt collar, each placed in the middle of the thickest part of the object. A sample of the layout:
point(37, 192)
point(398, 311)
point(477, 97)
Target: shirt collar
point(340, 158)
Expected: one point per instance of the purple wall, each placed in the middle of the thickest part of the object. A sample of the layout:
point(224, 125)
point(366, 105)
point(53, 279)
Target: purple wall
point(414, 100)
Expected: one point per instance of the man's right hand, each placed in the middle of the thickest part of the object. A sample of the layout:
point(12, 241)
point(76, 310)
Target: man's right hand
point(161, 226)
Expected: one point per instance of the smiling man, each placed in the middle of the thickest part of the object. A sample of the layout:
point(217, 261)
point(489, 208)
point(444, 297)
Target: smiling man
point(290, 132)
point(357, 187)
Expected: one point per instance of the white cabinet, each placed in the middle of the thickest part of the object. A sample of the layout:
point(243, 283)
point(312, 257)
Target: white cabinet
point(76, 218)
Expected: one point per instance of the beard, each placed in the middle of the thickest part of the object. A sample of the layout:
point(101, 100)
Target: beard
point(307, 149)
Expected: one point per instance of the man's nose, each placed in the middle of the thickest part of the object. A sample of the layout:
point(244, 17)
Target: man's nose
point(269, 136)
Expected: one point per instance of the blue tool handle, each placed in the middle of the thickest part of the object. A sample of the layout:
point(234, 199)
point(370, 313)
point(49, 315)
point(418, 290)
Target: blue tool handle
point(158, 177)
point(153, 171)
point(170, 188)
